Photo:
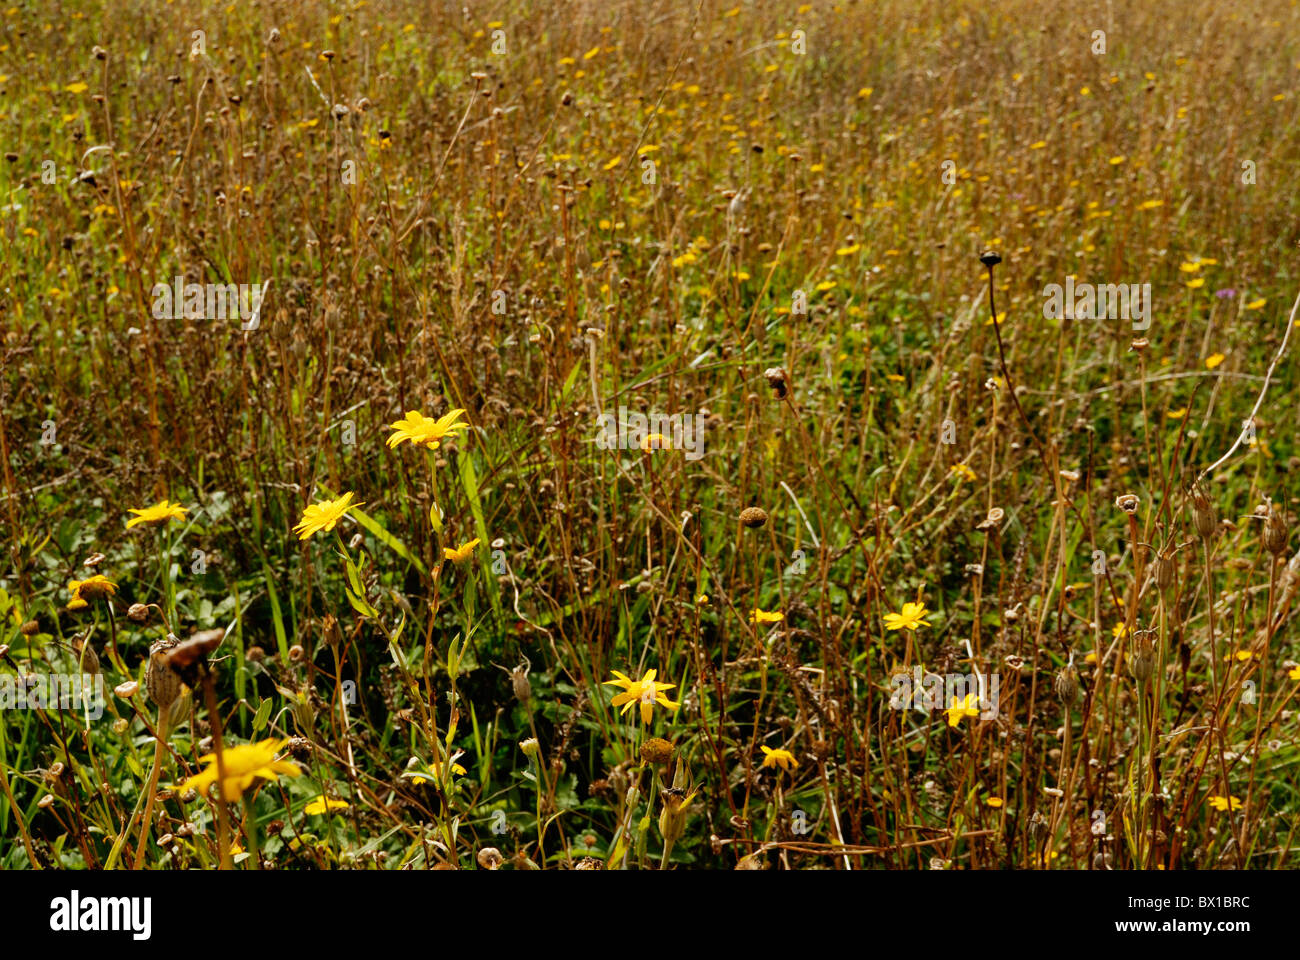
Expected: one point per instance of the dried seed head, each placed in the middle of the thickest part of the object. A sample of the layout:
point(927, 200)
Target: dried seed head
point(161, 682)
point(1143, 660)
point(1166, 567)
point(1203, 512)
point(990, 258)
point(1275, 531)
point(523, 690)
point(30, 628)
point(330, 630)
point(753, 517)
point(779, 381)
point(138, 613)
point(1129, 503)
point(1066, 685)
point(87, 658)
point(656, 750)
point(489, 858)
point(588, 863)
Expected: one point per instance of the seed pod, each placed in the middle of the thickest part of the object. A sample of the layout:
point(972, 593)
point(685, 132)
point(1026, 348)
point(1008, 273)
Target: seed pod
point(330, 629)
point(523, 690)
point(138, 613)
point(1066, 685)
point(1203, 512)
point(1129, 503)
point(1166, 567)
point(1275, 531)
point(30, 628)
point(161, 682)
point(778, 380)
point(753, 517)
point(489, 858)
point(87, 658)
point(1143, 660)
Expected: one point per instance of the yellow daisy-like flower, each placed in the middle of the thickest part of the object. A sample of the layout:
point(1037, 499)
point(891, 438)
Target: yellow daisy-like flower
point(911, 617)
point(764, 616)
point(960, 709)
point(422, 431)
point(645, 691)
point(244, 764)
point(160, 512)
point(89, 589)
point(323, 515)
point(323, 805)
point(1294, 673)
point(1222, 804)
point(460, 553)
point(1213, 360)
point(782, 758)
point(655, 441)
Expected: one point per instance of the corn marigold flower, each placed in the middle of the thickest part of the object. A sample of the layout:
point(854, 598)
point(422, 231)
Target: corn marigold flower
point(911, 617)
point(960, 709)
point(159, 513)
point(89, 589)
point(1222, 804)
point(324, 805)
point(243, 764)
point(323, 515)
point(422, 431)
point(782, 758)
point(460, 553)
point(646, 691)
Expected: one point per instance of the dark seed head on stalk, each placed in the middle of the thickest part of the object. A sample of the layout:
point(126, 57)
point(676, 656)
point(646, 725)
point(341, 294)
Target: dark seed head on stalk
point(753, 517)
point(1203, 512)
point(990, 259)
point(1066, 684)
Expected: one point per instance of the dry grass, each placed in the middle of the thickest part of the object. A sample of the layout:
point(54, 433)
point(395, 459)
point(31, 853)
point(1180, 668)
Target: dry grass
point(481, 230)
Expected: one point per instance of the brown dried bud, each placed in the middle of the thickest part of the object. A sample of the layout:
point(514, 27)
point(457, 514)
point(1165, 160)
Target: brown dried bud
point(779, 381)
point(489, 858)
point(523, 690)
point(138, 613)
point(753, 517)
point(1129, 503)
point(30, 628)
point(1203, 513)
point(161, 682)
point(1143, 660)
point(1275, 531)
point(656, 750)
point(1166, 567)
point(87, 658)
point(588, 863)
point(330, 629)
point(296, 653)
point(1066, 685)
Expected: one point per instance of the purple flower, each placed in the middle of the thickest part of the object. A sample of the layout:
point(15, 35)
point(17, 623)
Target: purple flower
point(1225, 293)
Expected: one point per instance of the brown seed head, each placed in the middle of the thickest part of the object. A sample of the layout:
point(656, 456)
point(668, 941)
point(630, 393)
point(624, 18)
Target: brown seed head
point(753, 517)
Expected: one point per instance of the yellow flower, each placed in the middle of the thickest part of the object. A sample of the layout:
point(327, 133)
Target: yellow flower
point(782, 758)
point(89, 589)
point(322, 805)
point(422, 431)
point(243, 764)
point(963, 472)
point(1119, 630)
point(645, 691)
point(1256, 304)
point(323, 515)
point(1294, 673)
point(1224, 803)
point(960, 709)
point(910, 618)
point(460, 553)
point(160, 512)
point(1195, 284)
point(1213, 360)
point(763, 616)
point(994, 801)
point(655, 441)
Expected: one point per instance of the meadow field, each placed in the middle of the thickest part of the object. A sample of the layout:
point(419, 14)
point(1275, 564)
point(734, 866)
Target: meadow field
point(655, 435)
